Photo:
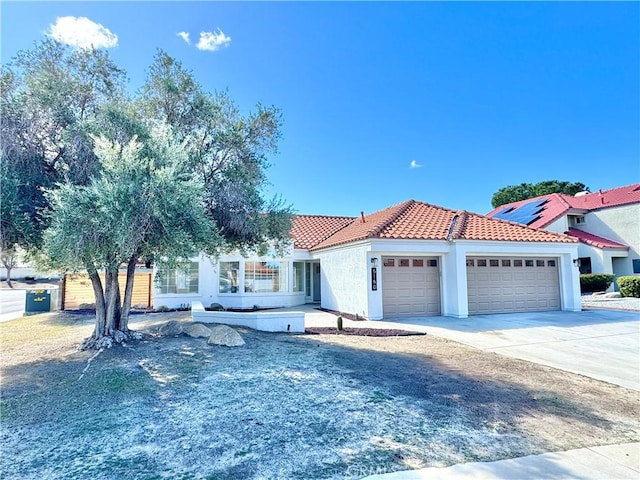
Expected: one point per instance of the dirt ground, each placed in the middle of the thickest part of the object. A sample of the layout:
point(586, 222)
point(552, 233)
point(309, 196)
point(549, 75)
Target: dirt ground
point(282, 406)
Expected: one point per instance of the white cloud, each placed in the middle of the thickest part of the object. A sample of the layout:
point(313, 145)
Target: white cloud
point(414, 164)
point(212, 41)
point(80, 32)
point(185, 37)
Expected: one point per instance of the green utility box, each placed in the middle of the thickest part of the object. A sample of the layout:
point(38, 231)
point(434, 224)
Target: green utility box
point(38, 301)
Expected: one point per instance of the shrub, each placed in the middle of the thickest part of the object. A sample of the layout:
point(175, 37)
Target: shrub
point(629, 286)
point(595, 282)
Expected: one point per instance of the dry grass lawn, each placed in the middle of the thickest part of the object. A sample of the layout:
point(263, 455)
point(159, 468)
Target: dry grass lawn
point(282, 406)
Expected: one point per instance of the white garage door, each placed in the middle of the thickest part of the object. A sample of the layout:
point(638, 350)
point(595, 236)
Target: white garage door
point(410, 286)
point(516, 284)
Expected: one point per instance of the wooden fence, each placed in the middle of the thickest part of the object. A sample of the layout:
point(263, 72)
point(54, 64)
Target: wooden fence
point(77, 291)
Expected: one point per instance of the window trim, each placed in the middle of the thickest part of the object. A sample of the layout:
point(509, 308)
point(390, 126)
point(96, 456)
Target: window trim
point(192, 266)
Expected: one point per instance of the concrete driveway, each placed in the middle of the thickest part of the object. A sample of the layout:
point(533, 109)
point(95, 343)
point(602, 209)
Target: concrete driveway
point(601, 344)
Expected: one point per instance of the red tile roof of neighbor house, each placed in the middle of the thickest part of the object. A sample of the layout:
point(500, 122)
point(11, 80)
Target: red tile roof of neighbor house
point(422, 221)
point(595, 240)
point(558, 204)
point(309, 230)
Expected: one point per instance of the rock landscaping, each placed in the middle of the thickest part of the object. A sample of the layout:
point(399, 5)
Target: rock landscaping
point(224, 335)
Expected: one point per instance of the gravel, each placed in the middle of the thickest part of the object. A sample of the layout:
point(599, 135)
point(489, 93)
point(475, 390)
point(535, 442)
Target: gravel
point(600, 301)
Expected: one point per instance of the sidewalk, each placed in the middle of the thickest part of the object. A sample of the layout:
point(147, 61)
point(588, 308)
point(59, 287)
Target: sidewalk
point(610, 462)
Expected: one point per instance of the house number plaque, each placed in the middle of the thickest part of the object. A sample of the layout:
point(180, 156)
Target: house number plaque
point(374, 278)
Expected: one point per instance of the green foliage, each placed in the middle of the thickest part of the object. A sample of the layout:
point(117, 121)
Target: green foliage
point(595, 282)
point(515, 193)
point(97, 180)
point(51, 96)
point(146, 193)
point(228, 151)
point(629, 286)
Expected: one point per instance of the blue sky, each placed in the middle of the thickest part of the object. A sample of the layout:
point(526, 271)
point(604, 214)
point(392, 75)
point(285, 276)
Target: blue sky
point(477, 95)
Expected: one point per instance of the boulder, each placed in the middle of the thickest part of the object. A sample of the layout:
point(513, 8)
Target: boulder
point(196, 330)
point(613, 295)
point(171, 329)
point(224, 335)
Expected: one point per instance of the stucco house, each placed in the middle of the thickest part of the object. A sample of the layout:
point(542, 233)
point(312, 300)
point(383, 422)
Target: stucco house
point(411, 259)
point(606, 223)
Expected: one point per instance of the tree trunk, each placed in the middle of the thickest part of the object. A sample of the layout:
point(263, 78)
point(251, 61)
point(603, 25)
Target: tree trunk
point(128, 294)
point(101, 315)
point(112, 294)
point(9, 259)
point(9, 284)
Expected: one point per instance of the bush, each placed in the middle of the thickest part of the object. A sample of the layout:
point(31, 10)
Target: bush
point(595, 282)
point(629, 286)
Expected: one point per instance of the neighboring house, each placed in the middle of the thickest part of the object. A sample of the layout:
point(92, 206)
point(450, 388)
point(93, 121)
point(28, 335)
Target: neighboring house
point(411, 259)
point(607, 224)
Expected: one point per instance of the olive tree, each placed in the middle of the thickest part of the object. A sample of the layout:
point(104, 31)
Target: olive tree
point(165, 175)
point(51, 97)
point(144, 203)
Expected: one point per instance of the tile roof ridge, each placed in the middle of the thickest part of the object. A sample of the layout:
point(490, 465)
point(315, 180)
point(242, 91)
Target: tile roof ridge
point(322, 216)
point(561, 197)
point(457, 226)
point(401, 209)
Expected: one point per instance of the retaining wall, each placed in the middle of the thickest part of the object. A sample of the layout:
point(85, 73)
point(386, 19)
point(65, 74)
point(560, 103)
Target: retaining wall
point(266, 321)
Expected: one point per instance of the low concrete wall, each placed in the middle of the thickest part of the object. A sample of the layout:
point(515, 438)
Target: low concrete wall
point(264, 321)
point(12, 303)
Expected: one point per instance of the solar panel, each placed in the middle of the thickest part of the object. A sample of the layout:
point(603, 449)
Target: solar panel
point(525, 214)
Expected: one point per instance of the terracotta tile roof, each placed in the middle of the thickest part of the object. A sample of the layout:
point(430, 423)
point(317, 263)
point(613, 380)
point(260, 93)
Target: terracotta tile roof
point(309, 230)
point(595, 240)
point(422, 221)
point(559, 204)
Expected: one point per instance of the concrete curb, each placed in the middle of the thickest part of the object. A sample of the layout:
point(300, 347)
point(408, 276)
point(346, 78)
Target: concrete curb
point(592, 463)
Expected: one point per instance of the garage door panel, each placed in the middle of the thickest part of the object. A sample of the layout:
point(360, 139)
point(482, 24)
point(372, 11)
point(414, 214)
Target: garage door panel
point(412, 289)
point(512, 284)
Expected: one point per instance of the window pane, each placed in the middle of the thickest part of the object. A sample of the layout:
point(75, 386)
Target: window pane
point(229, 277)
point(493, 263)
point(506, 263)
point(517, 263)
point(418, 262)
point(433, 263)
point(265, 277)
point(404, 262)
point(528, 263)
point(389, 262)
point(470, 262)
point(482, 263)
point(539, 263)
point(182, 280)
point(298, 276)
point(551, 263)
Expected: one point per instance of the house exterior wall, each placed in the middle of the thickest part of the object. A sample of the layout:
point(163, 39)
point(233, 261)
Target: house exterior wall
point(621, 224)
point(346, 271)
point(345, 278)
point(559, 225)
point(209, 283)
